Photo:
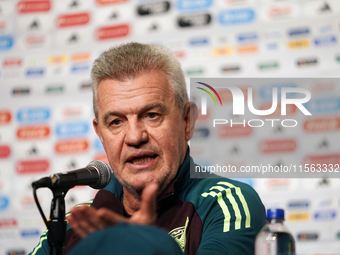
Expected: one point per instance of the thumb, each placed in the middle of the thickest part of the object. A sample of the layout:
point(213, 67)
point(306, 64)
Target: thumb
point(147, 213)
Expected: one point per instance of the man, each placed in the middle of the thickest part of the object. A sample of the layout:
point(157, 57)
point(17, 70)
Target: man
point(145, 120)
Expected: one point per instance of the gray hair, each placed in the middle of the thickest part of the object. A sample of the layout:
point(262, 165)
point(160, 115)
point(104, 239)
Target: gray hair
point(128, 61)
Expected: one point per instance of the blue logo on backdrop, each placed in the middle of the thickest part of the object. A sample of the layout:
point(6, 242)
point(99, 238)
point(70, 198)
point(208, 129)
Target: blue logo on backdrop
point(247, 37)
point(36, 72)
point(4, 203)
point(186, 5)
point(325, 215)
point(80, 68)
point(6, 42)
point(199, 41)
point(325, 40)
point(33, 114)
point(323, 105)
point(98, 145)
point(299, 204)
point(72, 129)
point(238, 16)
point(298, 31)
point(266, 93)
point(201, 133)
point(27, 233)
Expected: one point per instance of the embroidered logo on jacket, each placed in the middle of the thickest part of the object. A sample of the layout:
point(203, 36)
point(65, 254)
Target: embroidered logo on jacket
point(179, 234)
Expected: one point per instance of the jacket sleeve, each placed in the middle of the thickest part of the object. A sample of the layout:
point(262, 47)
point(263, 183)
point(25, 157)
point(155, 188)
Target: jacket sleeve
point(42, 247)
point(232, 214)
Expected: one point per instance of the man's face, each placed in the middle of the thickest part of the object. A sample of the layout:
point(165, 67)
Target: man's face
point(142, 129)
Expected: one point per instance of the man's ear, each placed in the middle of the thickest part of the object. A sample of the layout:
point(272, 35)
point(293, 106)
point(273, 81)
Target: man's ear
point(190, 116)
point(95, 125)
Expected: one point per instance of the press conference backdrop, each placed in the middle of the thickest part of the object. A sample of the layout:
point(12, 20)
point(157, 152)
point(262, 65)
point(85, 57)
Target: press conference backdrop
point(46, 52)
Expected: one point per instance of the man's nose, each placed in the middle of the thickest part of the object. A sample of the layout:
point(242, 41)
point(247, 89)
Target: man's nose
point(136, 133)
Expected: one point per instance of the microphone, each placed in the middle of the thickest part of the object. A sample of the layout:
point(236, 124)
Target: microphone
point(96, 174)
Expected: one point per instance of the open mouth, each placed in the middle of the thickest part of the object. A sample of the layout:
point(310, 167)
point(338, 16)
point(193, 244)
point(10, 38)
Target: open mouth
point(142, 160)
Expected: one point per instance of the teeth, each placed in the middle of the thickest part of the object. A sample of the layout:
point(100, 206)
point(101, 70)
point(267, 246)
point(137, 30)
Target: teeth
point(141, 160)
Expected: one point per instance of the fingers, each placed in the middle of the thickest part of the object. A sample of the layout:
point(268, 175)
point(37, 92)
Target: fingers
point(147, 213)
point(84, 220)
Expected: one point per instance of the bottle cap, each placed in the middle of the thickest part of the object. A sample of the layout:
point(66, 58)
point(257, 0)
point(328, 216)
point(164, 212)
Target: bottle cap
point(275, 213)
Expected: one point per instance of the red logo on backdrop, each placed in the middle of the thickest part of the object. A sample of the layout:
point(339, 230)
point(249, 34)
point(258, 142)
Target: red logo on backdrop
point(32, 166)
point(72, 111)
point(331, 159)
point(71, 146)
point(5, 151)
point(5, 117)
point(12, 62)
point(34, 40)
point(105, 2)
point(5, 223)
point(33, 6)
point(179, 54)
point(279, 12)
point(33, 132)
point(277, 146)
point(110, 32)
point(69, 20)
point(322, 124)
point(234, 131)
point(290, 109)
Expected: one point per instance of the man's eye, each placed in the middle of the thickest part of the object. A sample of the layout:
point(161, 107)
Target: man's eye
point(152, 115)
point(115, 122)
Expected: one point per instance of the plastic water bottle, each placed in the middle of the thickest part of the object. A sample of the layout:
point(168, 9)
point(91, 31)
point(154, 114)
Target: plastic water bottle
point(274, 238)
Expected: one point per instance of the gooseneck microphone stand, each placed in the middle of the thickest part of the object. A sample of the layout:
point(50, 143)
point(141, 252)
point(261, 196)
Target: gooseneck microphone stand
point(57, 224)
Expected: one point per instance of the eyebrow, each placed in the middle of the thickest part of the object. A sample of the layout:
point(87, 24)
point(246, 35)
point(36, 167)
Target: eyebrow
point(144, 109)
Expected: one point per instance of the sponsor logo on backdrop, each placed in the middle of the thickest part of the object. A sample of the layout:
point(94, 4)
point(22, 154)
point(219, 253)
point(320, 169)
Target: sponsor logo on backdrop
point(298, 44)
point(194, 20)
point(8, 223)
point(237, 16)
point(201, 133)
point(324, 105)
point(266, 92)
point(328, 40)
point(32, 166)
point(72, 146)
point(295, 32)
point(16, 252)
point(307, 62)
point(72, 129)
point(33, 132)
point(247, 37)
point(291, 109)
point(299, 204)
point(54, 89)
point(186, 5)
point(5, 117)
point(110, 32)
point(330, 160)
point(278, 146)
point(298, 216)
point(151, 8)
point(247, 49)
point(33, 6)
point(29, 233)
point(80, 57)
point(279, 12)
point(222, 51)
point(199, 41)
point(194, 71)
point(57, 59)
point(107, 2)
point(35, 41)
point(322, 124)
point(20, 91)
point(325, 215)
point(80, 68)
point(307, 237)
point(5, 151)
point(12, 62)
point(33, 114)
point(70, 20)
point(234, 131)
point(4, 202)
point(6, 42)
point(35, 72)
point(268, 65)
point(98, 145)
point(230, 68)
